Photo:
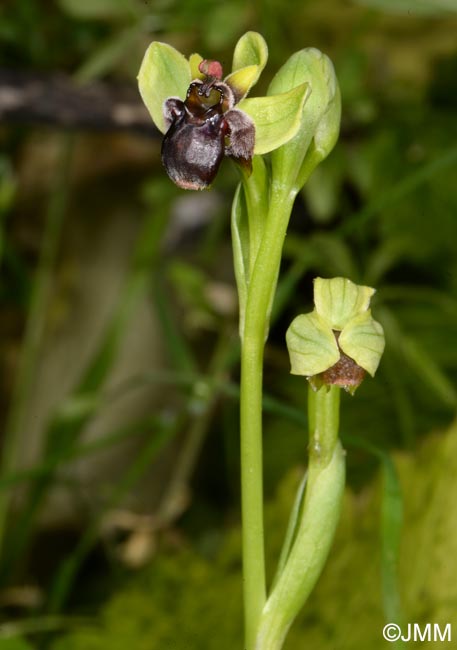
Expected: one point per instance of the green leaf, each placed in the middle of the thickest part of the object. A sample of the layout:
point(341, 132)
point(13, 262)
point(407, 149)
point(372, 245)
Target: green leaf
point(363, 340)
point(292, 527)
point(391, 528)
point(312, 345)
point(338, 300)
point(276, 118)
point(164, 73)
point(251, 49)
point(429, 371)
point(321, 511)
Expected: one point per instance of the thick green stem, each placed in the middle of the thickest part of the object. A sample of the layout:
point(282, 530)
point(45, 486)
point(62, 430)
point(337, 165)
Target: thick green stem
point(252, 486)
point(321, 511)
point(259, 299)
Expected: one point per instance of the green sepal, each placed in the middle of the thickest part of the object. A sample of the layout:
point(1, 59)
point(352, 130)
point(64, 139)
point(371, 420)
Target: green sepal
point(164, 73)
point(277, 118)
point(312, 345)
point(363, 340)
point(338, 300)
point(251, 49)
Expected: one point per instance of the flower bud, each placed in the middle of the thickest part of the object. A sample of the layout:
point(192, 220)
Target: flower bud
point(339, 340)
point(320, 121)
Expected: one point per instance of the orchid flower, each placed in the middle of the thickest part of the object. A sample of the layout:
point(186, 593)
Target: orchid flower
point(204, 117)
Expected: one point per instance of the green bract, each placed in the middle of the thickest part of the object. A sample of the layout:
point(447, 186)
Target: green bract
point(340, 323)
point(320, 118)
point(166, 73)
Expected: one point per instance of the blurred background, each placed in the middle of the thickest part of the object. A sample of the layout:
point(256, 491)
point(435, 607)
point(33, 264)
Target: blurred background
point(119, 484)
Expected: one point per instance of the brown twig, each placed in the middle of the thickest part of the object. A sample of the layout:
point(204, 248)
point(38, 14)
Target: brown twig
point(57, 100)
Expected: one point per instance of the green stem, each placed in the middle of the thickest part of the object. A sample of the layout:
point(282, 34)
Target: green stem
point(259, 300)
point(321, 511)
point(324, 422)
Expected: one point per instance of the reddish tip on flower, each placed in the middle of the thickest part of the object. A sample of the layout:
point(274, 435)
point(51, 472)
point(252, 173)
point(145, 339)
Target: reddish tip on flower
point(211, 68)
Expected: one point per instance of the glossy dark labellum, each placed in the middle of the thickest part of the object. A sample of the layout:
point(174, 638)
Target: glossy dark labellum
point(202, 130)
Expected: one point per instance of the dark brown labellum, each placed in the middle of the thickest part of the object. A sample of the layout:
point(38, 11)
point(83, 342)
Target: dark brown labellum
point(203, 129)
point(193, 152)
point(345, 372)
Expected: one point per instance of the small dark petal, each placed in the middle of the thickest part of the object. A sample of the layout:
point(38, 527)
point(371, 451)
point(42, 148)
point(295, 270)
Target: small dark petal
point(228, 98)
point(173, 109)
point(241, 132)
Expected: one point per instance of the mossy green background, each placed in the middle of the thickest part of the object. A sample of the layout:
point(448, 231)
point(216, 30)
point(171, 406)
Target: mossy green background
point(185, 601)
